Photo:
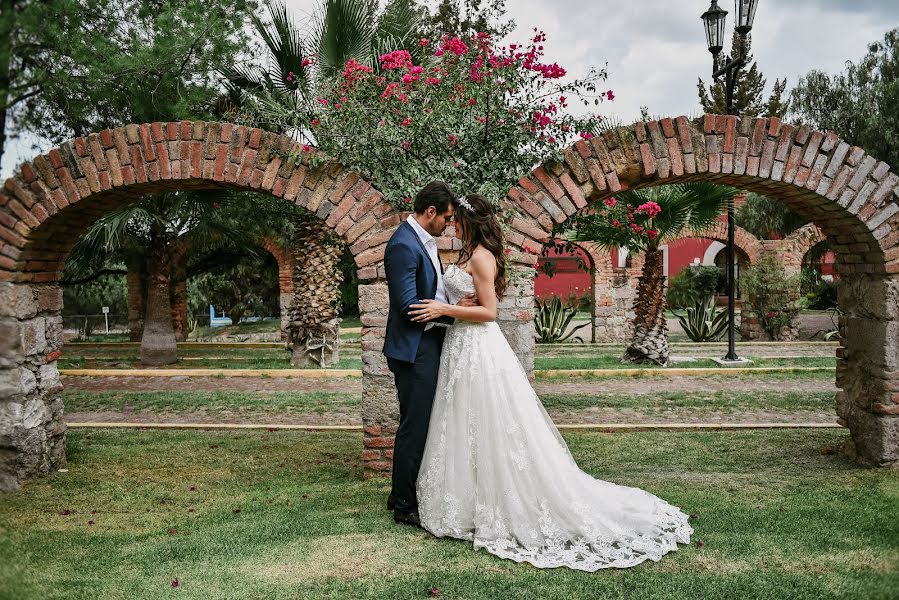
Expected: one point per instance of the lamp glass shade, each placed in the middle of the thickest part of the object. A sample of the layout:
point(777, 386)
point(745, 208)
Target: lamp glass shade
point(745, 15)
point(714, 20)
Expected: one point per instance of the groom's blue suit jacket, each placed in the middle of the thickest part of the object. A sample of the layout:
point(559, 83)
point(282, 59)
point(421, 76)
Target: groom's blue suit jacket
point(410, 277)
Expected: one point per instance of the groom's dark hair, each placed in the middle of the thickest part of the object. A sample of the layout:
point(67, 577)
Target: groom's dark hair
point(437, 194)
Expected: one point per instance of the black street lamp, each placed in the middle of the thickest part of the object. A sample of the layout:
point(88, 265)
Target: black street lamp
point(729, 68)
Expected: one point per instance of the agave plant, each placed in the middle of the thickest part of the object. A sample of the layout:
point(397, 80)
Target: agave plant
point(552, 321)
point(702, 323)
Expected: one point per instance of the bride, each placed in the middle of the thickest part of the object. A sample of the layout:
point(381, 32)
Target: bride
point(495, 470)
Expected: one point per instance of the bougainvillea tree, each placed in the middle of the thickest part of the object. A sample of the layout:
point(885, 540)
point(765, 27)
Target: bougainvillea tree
point(644, 221)
point(475, 114)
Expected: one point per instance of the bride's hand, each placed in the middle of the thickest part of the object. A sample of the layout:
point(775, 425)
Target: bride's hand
point(427, 310)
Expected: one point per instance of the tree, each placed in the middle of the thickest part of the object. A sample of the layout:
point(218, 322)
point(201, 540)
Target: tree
point(749, 92)
point(644, 220)
point(859, 103)
point(766, 218)
point(70, 67)
point(157, 233)
point(462, 19)
point(475, 115)
point(295, 67)
point(249, 287)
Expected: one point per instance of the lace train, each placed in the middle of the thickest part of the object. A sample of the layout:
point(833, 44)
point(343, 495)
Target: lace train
point(497, 472)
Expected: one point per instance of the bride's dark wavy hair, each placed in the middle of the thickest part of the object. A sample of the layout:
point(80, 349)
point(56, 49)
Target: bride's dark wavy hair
point(480, 227)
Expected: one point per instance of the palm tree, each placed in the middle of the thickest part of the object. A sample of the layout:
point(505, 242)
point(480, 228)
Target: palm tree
point(298, 63)
point(158, 232)
point(686, 208)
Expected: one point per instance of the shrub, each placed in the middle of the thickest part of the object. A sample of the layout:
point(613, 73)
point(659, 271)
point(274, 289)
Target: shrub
point(552, 321)
point(772, 294)
point(693, 285)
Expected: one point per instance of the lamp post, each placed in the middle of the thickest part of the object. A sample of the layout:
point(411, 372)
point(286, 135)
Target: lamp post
point(729, 68)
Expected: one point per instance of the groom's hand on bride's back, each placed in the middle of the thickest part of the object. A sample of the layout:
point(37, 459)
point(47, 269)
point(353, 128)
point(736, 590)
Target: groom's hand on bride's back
point(469, 300)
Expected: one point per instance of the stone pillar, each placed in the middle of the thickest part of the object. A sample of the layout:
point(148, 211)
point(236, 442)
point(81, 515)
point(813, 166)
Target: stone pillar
point(515, 314)
point(868, 365)
point(380, 407)
point(32, 431)
point(613, 303)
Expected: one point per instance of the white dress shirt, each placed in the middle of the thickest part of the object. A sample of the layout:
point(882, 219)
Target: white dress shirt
point(431, 246)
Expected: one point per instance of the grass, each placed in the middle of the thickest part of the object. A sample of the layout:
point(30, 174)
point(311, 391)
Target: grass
point(212, 403)
point(778, 519)
point(75, 357)
point(697, 402)
point(268, 406)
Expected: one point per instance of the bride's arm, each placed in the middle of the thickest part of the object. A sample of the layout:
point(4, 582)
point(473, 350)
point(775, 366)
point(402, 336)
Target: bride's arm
point(483, 271)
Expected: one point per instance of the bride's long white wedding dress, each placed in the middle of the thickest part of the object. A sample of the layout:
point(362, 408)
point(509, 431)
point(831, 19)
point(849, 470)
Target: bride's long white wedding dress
point(497, 472)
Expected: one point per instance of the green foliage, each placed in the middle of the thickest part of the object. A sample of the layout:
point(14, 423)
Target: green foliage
point(552, 320)
point(77, 66)
point(767, 218)
point(462, 18)
point(470, 123)
point(248, 288)
point(818, 293)
point(770, 292)
point(685, 207)
point(89, 298)
point(749, 92)
point(694, 285)
point(859, 103)
point(703, 322)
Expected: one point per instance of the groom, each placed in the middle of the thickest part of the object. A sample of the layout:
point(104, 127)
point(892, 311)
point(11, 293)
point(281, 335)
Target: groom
point(414, 273)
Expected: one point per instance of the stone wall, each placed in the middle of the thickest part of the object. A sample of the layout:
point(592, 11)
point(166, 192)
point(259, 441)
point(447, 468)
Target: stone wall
point(32, 431)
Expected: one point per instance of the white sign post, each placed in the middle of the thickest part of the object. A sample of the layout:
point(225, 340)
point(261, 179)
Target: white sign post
point(106, 317)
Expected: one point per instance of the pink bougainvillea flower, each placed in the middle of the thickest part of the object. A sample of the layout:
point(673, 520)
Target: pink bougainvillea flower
point(424, 42)
point(650, 208)
point(290, 76)
point(586, 135)
point(472, 101)
point(406, 122)
point(652, 233)
point(615, 223)
point(398, 59)
point(307, 148)
point(322, 101)
point(610, 201)
point(416, 69)
point(453, 139)
point(406, 144)
point(314, 122)
point(610, 95)
point(175, 582)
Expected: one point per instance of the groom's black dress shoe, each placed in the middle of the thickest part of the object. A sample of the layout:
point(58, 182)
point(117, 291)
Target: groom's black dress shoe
point(391, 502)
point(407, 518)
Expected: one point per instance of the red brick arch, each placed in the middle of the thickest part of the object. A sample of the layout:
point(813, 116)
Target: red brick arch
point(52, 199)
point(804, 239)
point(851, 196)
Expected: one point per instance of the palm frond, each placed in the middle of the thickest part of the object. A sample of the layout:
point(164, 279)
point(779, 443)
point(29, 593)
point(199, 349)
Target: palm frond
point(343, 29)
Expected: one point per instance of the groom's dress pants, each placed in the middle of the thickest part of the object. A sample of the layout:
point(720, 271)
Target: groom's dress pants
point(416, 384)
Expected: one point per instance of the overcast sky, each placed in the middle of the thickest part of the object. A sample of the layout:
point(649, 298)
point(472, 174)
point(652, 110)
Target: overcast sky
point(655, 49)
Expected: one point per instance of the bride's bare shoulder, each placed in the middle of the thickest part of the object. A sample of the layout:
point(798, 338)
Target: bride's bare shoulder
point(482, 259)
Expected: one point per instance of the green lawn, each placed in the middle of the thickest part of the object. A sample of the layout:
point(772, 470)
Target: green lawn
point(244, 404)
point(271, 405)
point(286, 515)
point(697, 402)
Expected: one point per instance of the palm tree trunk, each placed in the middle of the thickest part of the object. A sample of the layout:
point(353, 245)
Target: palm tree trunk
point(649, 343)
point(314, 326)
point(137, 303)
point(158, 345)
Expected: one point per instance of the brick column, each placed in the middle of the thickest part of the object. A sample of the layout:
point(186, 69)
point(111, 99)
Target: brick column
point(136, 305)
point(179, 311)
point(380, 407)
point(32, 430)
point(614, 295)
